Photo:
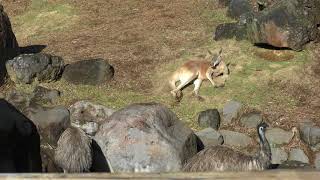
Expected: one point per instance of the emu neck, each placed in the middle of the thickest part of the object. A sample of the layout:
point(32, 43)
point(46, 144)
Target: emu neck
point(265, 151)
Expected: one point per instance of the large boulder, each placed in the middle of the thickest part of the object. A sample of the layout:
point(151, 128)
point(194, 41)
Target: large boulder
point(42, 67)
point(8, 44)
point(285, 24)
point(278, 156)
point(88, 116)
point(251, 120)
point(89, 72)
point(146, 137)
point(19, 143)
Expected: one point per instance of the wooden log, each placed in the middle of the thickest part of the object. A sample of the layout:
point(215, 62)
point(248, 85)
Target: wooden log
point(267, 175)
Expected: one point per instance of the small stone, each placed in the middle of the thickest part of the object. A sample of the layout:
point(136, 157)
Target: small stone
point(44, 95)
point(298, 155)
point(310, 134)
point(278, 136)
point(251, 120)
point(232, 138)
point(317, 161)
point(209, 118)
point(210, 137)
point(231, 111)
point(278, 156)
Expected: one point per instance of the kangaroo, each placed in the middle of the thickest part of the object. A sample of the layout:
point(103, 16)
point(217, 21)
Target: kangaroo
point(198, 71)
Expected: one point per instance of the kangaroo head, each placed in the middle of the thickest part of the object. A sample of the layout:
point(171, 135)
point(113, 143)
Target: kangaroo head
point(217, 64)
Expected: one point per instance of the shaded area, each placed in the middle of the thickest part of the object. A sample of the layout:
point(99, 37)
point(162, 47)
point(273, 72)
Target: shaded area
point(99, 162)
point(19, 141)
point(32, 49)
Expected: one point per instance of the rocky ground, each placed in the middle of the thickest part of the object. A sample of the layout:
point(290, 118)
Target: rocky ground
point(122, 53)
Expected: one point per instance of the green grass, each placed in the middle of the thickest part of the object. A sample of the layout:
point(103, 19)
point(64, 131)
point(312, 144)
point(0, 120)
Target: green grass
point(42, 17)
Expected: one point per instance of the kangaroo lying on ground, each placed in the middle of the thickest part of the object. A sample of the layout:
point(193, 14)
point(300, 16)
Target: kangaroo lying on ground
point(197, 71)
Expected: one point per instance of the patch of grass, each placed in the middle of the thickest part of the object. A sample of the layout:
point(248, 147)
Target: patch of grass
point(43, 16)
point(247, 83)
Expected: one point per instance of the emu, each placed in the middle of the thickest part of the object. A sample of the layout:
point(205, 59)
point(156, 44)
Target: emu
point(73, 153)
point(222, 158)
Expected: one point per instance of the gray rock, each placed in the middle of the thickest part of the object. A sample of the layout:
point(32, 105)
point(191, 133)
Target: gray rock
point(18, 99)
point(278, 156)
point(231, 111)
point(278, 136)
point(210, 137)
point(87, 115)
point(209, 118)
point(232, 138)
point(317, 161)
point(51, 123)
point(251, 120)
point(42, 67)
point(90, 72)
point(43, 95)
point(310, 134)
point(298, 155)
point(146, 137)
point(237, 8)
point(229, 31)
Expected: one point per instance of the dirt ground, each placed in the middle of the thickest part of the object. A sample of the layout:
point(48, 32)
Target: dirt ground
point(137, 37)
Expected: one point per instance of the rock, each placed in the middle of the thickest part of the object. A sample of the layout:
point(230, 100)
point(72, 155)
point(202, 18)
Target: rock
point(298, 155)
point(9, 47)
point(43, 95)
point(87, 115)
point(278, 156)
point(237, 8)
point(285, 24)
point(26, 68)
point(18, 99)
point(210, 137)
point(310, 134)
point(251, 120)
point(90, 72)
point(224, 3)
point(209, 118)
point(231, 111)
point(278, 136)
point(232, 138)
point(20, 141)
point(317, 161)
point(146, 137)
point(51, 123)
point(294, 165)
point(229, 31)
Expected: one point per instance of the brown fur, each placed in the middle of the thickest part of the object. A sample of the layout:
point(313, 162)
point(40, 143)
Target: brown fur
point(73, 152)
point(222, 158)
point(197, 71)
